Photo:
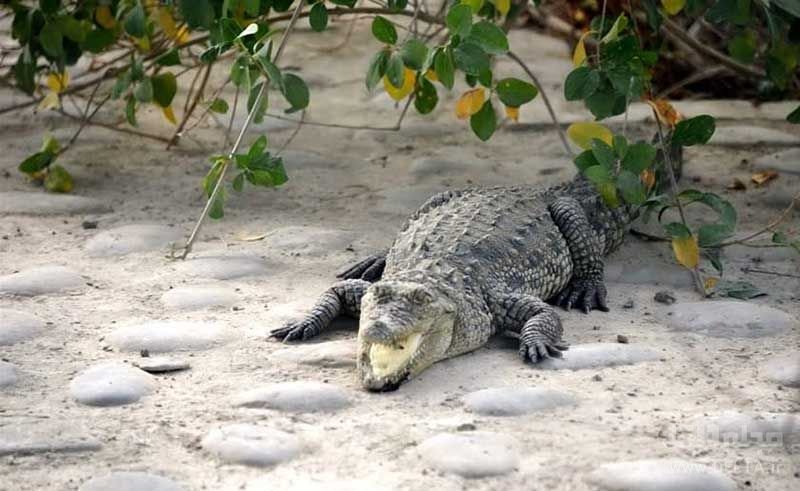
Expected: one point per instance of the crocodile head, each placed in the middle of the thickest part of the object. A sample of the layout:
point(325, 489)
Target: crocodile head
point(405, 327)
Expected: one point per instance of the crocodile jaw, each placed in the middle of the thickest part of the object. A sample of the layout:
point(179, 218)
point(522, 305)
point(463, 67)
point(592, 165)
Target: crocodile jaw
point(388, 359)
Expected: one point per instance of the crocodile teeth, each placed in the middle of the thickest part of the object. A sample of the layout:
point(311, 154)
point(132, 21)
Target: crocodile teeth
point(387, 359)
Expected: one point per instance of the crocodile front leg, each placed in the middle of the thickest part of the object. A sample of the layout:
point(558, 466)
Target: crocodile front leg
point(368, 269)
point(535, 321)
point(344, 297)
point(586, 289)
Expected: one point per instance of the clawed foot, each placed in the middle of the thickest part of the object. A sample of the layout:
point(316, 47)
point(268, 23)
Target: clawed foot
point(295, 331)
point(369, 269)
point(583, 293)
point(540, 349)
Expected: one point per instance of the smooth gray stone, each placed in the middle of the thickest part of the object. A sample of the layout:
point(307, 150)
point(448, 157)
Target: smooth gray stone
point(515, 401)
point(787, 161)
point(729, 319)
point(45, 436)
point(23, 203)
point(223, 267)
point(161, 364)
point(199, 297)
point(41, 281)
point(8, 374)
point(599, 355)
point(111, 384)
point(130, 481)
point(784, 370)
point(660, 475)
point(331, 354)
point(741, 135)
point(308, 241)
point(128, 239)
point(294, 397)
point(163, 336)
point(252, 445)
point(776, 429)
point(18, 326)
point(470, 454)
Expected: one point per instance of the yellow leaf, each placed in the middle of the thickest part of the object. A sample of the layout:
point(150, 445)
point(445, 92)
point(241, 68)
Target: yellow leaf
point(686, 250)
point(502, 6)
point(666, 112)
point(50, 101)
point(400, 93)
point(763, 177)
point(512, 113)
point(431, 75)
point(169, 114)
point(582, 134)
point(470, 102)
point(103, 17)
point(672, 7)
point(58, 180)
point(579, 55)
point(710, 283)
point(58, 81)
point(648, 178)
point(167, 24)
point(475, 5)
point(142, 43)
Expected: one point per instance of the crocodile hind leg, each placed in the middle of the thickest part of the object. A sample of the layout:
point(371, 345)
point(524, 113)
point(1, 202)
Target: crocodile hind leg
point(368, 269)
point(586, 289)
point(344, 297)
point(534, 321)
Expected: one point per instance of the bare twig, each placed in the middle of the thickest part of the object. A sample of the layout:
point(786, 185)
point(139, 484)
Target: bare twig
point(748, 269)
point(188, 112)
point(769, 227)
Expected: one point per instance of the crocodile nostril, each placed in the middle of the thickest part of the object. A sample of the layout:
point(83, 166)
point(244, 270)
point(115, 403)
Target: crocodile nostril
point(377, 332)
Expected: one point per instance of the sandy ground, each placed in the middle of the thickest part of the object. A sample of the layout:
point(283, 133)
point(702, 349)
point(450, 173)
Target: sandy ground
point(349, 191)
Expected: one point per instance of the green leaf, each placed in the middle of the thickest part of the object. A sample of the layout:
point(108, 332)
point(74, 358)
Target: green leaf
point(794, 116)
point(731, 11)
point(36, 162)
point(484, 122)
point(489, 37)
point(620, 144)
point(98, 40)
point(631, 188)
point(639, 157)
point(693, 131)
point(470, 58)
point(121, 85)
point(58, 180)
point(318, 17)
point(219, 106)
point(130, 110)
point(677, 230)
point(217, 209)
point(136, 21)
point(257, 149)
point(72, 28)
point(586, 159)
point(599, 174)
point(49, 6)
point(414, 53)
point(514, 92)
point(444, 66)
point(164, 88)
point(267, 171)
point(425, 96)
point(619, 25)
point(475, 5)
point(604, 102)
point(238, 182)
point(197, 13)
point(51, 40)
point(144, 91)
point(169, 58)
point(295, 91)
point(459, 20)
point(261, 109)
point(743, 47)
point(377, 68)
point(743, 290)
point(273, 72)
point(383, 30)
point(25, 72)
point(581, 83)
point(604, 154)
point(395, 70)
point(240, 72)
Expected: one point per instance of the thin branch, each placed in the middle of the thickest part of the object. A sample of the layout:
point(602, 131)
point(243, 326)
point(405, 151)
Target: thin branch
point(769, 227)
point(188, 113)
point(693, 78)
point(748, 269)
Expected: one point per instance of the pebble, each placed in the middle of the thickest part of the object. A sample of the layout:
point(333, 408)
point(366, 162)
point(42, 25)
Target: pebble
point(223, 267)
point(665, 296)
point(130, 481)
point(111, 384)
point(22, 203)
point(41, 281)
point(251, 445)
point(599, 355)
point(163, 336)
point(330, 354)
point(18, 326)
point(779, 429)
point(8, 374)
point(784, 369)
point(294, 397)
point(308, 241)
point(161, 364)
point(729, 319)
point(743, 135)
point(515, 401)
point(470, 454)
point(660, 475)
point(42, 436)
point(784, 161)
point(128, 239)
point(199, 297)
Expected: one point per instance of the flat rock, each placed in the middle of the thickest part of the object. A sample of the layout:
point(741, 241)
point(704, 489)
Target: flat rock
point(199, 297)
point(660, 475)
point(308, 241)
point(111, 384)
point(223, 267)
point(8, 374)
point(300, 397)
point(470, 454)
point(18, 326)
point(787, 161)
point(729, 319)
point(161, 364)
point(163, 336)
point(599, 355)
point(650, 274)
point(515, 401)
point(779, 429)
point(784, 370)
point(130, 481)
point(331, 354)
point(44, 436)
point(23, 203)
point(741, 135)
point(251, 445)
point(41, 281)
point(131, 238)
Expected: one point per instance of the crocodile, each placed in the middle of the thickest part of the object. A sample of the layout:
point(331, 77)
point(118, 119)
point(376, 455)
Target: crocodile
point(467, 265)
